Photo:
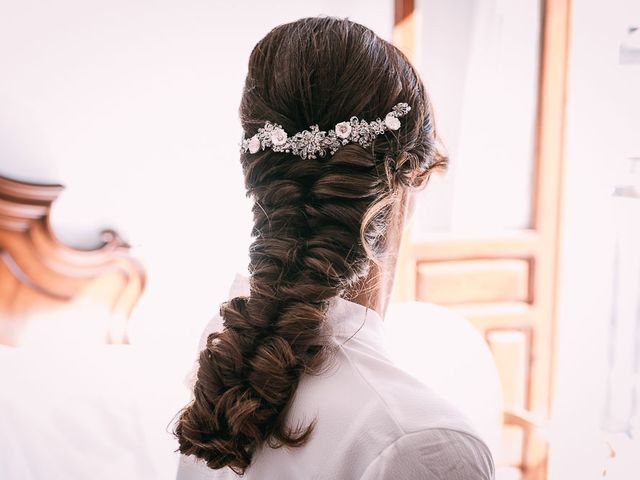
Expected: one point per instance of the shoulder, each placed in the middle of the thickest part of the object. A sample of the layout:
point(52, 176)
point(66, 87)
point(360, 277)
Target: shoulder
point(433, 453)
point(413, 405)
point(434, 439)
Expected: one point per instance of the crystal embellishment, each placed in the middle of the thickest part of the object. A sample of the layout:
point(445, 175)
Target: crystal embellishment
point(315, 142)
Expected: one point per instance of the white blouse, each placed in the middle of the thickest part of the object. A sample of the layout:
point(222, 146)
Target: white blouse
point(374, 421)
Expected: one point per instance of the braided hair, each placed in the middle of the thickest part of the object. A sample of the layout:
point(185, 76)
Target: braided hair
point(318, 225)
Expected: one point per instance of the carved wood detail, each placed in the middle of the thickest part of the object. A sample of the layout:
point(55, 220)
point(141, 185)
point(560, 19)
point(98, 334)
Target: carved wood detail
point(39, 275)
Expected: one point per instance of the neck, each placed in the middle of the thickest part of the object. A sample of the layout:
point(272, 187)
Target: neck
point(374, 291)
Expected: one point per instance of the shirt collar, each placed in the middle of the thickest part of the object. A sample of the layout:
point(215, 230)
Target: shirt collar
point(349, 320)
point(352, 320)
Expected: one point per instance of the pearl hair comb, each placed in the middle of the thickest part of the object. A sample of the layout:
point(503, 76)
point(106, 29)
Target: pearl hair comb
point(313, 142)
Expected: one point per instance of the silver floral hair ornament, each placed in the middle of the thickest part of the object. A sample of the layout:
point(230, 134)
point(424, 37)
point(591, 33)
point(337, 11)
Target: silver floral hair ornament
point(314, 142)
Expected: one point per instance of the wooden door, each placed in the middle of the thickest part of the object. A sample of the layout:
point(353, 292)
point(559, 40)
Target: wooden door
point(505, 282)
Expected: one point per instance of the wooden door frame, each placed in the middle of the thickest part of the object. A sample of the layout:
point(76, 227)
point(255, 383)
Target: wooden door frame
point(541, 243)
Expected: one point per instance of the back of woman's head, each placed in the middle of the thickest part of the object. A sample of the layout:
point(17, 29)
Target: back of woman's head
point(318, 225)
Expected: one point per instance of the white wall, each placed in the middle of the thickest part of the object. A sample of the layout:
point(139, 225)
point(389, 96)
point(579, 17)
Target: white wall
point(603, 125)
point(133, 106)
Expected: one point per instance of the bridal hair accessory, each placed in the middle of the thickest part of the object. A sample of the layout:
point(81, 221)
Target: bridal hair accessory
point(309, 143)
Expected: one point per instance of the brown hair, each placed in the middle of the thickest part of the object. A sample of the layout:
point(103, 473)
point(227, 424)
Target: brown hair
point(317, 225)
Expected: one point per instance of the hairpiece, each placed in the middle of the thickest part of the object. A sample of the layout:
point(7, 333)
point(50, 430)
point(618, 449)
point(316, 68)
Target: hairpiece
point(313, 142)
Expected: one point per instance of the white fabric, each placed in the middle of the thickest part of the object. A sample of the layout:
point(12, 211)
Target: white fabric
point(88, 413)
point(374, 420)
point(444, 350)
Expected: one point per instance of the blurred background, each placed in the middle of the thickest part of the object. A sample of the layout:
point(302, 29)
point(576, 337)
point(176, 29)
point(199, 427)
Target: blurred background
point(123, 219)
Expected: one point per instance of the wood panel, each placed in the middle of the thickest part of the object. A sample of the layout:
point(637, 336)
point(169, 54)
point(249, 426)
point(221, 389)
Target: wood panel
point(486, 316)
point(473, 281)
point(511, 350)
point(404, 27)
point(547, 208)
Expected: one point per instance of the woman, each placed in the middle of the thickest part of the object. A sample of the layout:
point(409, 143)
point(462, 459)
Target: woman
point(298, 360)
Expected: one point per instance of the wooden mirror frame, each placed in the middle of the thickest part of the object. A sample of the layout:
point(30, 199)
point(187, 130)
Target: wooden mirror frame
point(38, 272)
